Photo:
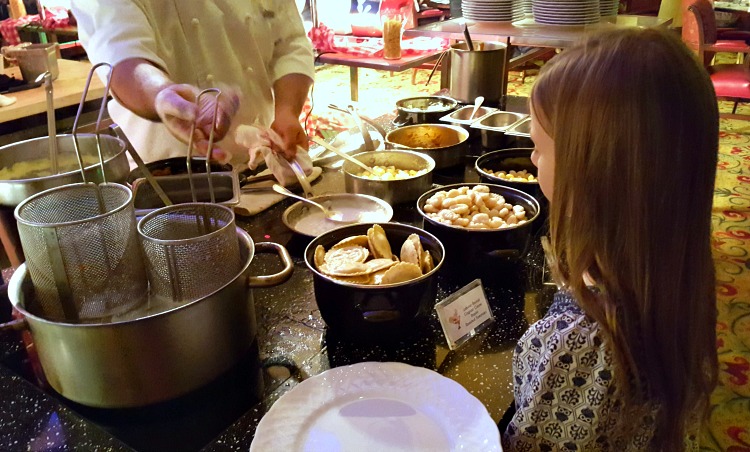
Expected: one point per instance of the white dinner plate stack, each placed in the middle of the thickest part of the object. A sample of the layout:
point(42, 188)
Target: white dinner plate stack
point(609, 7)
point(492, 10)
point(566, 12)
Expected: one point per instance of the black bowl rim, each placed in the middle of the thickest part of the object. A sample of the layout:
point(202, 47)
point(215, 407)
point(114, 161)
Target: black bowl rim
point(310, 265)
point(529, 198)
point(497, 153)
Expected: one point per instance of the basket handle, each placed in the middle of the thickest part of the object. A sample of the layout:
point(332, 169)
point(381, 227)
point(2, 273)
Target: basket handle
point(210, 145)
point(98, 119)
point(276, 278)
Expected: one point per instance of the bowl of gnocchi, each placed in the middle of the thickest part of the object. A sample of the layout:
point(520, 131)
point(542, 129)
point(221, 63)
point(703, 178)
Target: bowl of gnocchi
point(398, 176)
point(512, 168)
point(374, 281)
point(478, 223)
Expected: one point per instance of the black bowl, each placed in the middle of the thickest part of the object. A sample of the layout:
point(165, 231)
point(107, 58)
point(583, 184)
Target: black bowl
point(375, 313)
point(478, 253)
point(506, 160)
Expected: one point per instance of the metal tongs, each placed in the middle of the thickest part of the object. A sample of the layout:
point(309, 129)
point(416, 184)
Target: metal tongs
point(300, 173)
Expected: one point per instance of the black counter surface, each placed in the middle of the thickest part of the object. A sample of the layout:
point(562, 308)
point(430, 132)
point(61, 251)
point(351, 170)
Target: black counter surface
point(292, 344)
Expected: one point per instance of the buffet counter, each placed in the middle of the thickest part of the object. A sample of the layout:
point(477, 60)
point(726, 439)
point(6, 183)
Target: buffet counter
point(292, 344)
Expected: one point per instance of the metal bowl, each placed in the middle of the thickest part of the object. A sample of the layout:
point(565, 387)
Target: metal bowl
point(14, 191)
point(422, 110)
point(515, 159)
point(494, 128)
point(446, 144)
point(474, 252)
point(390, 191)
point(309, 220)
point(375, 313)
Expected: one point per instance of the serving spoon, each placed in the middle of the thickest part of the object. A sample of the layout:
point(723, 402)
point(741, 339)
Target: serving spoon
point(344, 155)
point(337, 217)
point(477, 103)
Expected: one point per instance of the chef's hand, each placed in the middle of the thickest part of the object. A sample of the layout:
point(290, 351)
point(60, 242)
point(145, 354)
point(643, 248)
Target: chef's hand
point(292, 134)
point(176, 107)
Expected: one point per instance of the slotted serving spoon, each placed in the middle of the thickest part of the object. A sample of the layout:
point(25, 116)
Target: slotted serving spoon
point(338, 217)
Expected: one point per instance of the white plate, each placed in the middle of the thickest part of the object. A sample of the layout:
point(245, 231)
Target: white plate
point(381, 407)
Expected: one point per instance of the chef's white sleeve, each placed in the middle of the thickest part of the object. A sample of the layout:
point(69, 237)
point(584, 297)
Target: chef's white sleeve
point(115, 30)
point(292, 49)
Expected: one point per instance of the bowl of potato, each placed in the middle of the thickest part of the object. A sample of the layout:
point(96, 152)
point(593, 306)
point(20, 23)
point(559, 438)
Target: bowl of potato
point(511, 167)
point(374, 281)
point(399, 176)
point(479, 224)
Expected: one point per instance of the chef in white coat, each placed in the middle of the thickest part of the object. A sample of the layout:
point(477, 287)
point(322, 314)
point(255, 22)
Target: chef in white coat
point(165, 51)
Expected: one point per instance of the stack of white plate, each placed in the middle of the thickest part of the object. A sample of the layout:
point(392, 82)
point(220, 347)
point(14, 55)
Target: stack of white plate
point(566, 12)
point(491, 10)
point(609, 7)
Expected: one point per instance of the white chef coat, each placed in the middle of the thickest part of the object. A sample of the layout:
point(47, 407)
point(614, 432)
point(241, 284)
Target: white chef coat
point(248, 44)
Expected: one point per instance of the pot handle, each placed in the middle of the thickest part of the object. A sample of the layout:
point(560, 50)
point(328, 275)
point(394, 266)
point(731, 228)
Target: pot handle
point(398, 123)
point(276, 278)
point(14, 325)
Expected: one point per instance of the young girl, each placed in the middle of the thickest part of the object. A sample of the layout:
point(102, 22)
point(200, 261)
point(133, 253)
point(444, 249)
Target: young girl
point(626, 133)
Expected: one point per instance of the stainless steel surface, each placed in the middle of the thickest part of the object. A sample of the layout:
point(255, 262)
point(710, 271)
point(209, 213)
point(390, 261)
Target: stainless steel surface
point(462, 115)
point(393, 191)
point(190, 249)
point(155, 357)
point(478, 72)
point(494, 128)
point(85, 261)
point(446, 144)
point(520, 129)
point(13, 192)
point(226, 189)
point(373, 210)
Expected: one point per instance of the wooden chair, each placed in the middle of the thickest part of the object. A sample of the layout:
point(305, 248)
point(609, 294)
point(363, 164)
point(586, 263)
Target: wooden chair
point(424, 16)
point(731, 81)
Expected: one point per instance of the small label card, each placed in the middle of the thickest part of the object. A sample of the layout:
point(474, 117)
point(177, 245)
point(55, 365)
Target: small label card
point(464, 314)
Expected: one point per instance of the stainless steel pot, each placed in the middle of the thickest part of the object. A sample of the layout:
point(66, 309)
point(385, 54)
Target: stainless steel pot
point(477, 72)
point(12, 192)
point(153, 358)
point(422, 110)
point(390, 191)
point(446, 144)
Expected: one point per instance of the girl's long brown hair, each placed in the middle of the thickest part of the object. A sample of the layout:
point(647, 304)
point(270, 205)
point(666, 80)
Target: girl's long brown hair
point(635, 124)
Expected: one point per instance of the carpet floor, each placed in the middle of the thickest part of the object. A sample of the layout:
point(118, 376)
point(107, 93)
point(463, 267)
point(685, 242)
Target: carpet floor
point(728, 426)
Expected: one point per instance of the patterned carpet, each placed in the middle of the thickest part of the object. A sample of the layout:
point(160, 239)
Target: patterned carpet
point(728, 428)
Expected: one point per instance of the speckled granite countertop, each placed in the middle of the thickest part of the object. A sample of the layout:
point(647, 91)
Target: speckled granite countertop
point(292, 344)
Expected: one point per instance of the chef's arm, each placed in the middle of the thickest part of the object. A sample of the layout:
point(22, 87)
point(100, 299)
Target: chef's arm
point(136, 83)
point(147, 90)
point(290, 94)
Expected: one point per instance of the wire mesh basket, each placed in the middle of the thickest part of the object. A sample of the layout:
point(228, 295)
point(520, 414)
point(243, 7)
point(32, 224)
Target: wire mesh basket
point(82, 251)
point(191, 250)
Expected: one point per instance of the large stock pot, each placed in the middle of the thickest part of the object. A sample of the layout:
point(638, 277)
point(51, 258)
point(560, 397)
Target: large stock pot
point(152, 358)
point(33, 152)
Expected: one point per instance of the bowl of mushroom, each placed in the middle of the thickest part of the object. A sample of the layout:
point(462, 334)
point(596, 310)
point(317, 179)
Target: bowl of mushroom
point(479, 224)
point(399, 176)
point(374, 281)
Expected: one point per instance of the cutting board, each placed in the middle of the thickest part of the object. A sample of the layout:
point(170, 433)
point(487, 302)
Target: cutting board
point(255, 202)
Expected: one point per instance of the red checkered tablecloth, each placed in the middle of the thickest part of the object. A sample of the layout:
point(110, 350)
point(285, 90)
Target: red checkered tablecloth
point(55, 17)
